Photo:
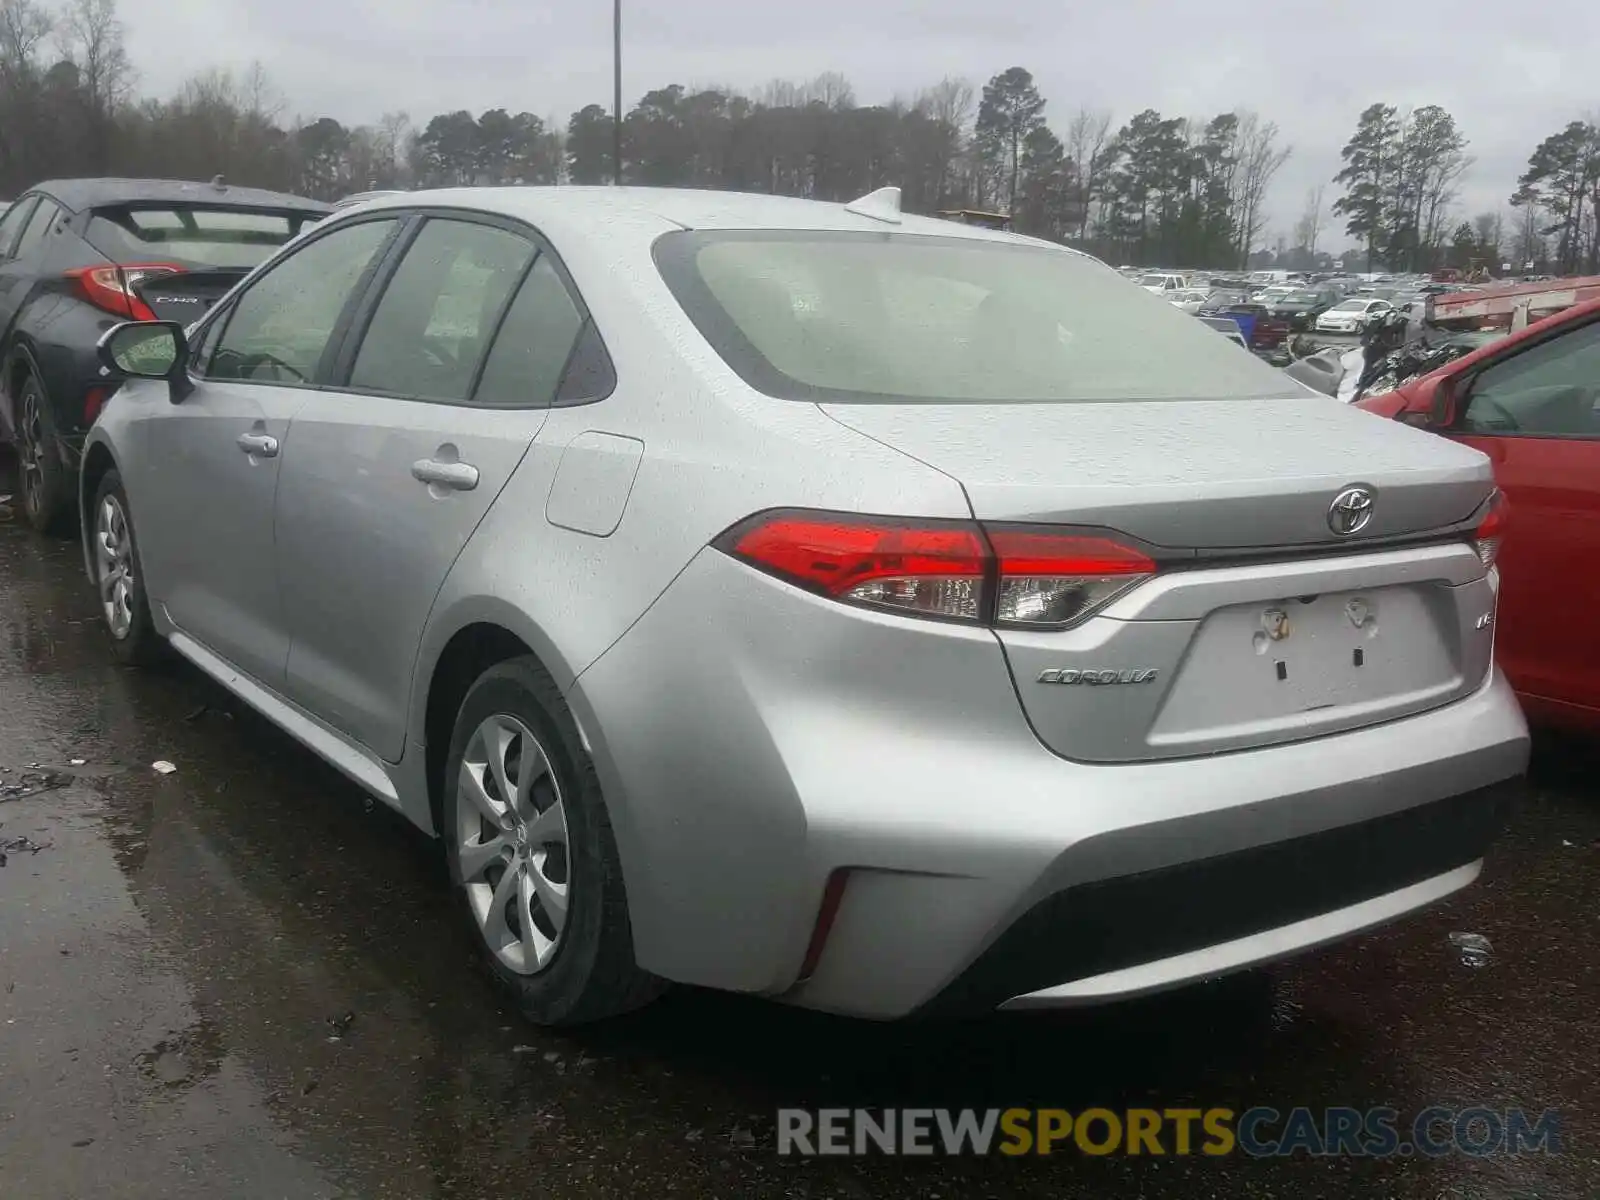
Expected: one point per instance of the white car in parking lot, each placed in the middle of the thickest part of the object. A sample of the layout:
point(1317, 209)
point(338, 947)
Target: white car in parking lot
point(1352, 316)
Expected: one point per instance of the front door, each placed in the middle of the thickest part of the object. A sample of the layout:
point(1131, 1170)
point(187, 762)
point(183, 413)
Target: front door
point(386, 479)
point(1536, 414)
point(207, 537)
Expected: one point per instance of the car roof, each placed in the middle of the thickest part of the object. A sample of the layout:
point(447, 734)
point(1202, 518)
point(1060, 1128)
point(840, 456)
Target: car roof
point(589, 210)
point(79, 194)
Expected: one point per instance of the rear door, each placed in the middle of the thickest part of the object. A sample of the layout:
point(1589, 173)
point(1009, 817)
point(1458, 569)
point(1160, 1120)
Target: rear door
point(1534, 412)
point(385, 479)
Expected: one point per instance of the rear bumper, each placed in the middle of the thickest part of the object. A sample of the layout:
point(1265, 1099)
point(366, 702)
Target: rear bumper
point(1142, 932)
point(754, 741)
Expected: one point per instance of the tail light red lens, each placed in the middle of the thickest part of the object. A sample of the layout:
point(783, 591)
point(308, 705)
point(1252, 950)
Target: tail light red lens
point(935, 569)
point(957, 570)
point(1491, 532)
point(111, 288)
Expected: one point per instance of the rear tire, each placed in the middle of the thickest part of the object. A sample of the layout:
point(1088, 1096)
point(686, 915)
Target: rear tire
point(531, 854)
point(119, 576)
point(46, 484)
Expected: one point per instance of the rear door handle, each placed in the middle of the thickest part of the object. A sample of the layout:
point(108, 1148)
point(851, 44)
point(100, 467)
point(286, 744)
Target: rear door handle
point(259, 443)
point(457, 476)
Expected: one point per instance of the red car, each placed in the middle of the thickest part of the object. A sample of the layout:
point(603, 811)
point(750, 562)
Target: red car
point(1531, 402)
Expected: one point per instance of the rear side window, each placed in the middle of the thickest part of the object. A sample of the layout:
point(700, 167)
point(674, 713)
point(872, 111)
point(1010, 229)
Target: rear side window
point(903, 318)
point(194, 236)
point(38, 227)
point(281, 324)
point(535, 341)
point(429, 332)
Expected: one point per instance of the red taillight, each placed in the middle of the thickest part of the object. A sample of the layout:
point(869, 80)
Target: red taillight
point(935, 569)
point(1492, 530)
point(957, 570)
point(111, 288)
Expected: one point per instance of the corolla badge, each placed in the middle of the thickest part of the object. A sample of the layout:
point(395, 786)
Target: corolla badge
point(1096, 677)
point(1350, 511)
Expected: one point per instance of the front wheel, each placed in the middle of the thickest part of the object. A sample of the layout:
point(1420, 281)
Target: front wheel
point(532, 856)
point(119, 577)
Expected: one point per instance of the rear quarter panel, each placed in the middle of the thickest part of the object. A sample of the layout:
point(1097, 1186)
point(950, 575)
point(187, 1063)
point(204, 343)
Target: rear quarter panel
point(714, 452)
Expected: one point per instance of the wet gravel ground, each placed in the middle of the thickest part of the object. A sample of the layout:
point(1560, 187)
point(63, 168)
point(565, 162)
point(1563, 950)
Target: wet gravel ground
point(242, 980)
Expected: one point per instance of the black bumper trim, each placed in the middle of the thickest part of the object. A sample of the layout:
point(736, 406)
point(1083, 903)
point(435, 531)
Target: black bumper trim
point(1116, 923)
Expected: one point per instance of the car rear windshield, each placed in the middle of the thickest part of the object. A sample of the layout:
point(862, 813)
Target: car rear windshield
point(898, 318)
point(192, 235)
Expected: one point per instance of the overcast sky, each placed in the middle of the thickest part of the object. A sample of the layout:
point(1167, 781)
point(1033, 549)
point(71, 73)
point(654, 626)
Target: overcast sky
point(1510, 73)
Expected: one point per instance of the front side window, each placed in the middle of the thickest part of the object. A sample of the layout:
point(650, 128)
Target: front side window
point(1548, 390)
point(887, 318)
point(282, 323)
point(430, 330)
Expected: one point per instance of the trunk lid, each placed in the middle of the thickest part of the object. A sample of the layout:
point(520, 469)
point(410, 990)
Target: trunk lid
point(1263, 625)
point(186, 296)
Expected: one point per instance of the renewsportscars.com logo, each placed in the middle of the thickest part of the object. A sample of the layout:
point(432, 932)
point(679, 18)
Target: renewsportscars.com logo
point(1257, 1132)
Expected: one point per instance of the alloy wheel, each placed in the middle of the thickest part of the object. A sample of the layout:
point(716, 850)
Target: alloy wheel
point(511, 833)
point(30, 452)
point(114, 565)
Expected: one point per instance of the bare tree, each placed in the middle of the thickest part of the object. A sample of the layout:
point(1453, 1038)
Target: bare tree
point(1260, 158)
point(831, 90)
point(1309, 227)
point(91, 38)
point(24, 27)
point(1088, 136)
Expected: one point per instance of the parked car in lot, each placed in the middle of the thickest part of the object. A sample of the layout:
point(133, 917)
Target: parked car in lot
point(1228, 328)
point(1189, 300)
point(1262, 331)
point(1352, 315)
point(1301, 308)
point(1164, 284)
point(1223, 298)
point(79, 255)
point(1531, 402)
point(813, 600)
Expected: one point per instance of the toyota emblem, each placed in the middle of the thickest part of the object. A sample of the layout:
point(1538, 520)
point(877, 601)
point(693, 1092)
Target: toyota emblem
point(1350, 511)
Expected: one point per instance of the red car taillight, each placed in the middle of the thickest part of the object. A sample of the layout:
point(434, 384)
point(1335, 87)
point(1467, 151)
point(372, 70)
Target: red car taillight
point(956, 570)
point(1492, 530)
point(111, 288)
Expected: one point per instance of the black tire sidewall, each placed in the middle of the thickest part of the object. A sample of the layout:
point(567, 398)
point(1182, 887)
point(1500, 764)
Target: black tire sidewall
point(142, 644)
point(519, 689)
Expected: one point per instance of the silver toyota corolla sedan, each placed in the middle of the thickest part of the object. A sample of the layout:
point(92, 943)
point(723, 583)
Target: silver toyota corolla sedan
point(876, 613)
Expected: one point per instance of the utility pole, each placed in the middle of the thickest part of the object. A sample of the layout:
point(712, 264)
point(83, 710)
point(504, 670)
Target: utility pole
point(616, 93)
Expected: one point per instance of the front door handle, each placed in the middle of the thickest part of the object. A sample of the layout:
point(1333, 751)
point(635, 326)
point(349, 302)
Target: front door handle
point(457, 476)
point(262, 444)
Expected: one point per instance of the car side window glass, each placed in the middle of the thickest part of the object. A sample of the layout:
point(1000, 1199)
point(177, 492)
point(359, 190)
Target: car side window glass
point(12, 223)
point(38, 226)
point(430, 329)
point(535, 341)
point(1549, 390)
point(280, 327)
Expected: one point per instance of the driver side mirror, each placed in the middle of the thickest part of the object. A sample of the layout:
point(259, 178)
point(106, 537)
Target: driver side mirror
point(149, 350)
